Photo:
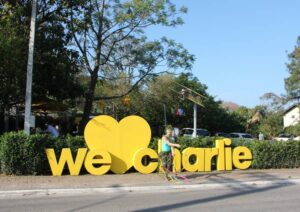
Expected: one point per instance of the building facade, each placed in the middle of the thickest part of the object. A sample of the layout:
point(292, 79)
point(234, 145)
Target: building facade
point(291, 116)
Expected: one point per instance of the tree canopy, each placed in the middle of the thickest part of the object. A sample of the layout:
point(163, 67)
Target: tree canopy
point(292, 82)
point(110, 38)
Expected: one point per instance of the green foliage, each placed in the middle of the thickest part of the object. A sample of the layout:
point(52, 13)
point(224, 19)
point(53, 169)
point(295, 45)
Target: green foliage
point(271, 125)
point(266, 154)
point(163, 90)
point(72, 142)
point(279, 154)
point(292, 83)
point(110, 38)
point(55, 66)
point(13, 157)
point(25, 155)
point(293, 130)
point(260, 119)
point(202, 142)
point(154, 143)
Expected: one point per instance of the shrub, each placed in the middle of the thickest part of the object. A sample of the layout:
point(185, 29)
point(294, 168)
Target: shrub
point(266, 154)
point(35, 159)
point(154, 143)
point(202, 142)
point(276, 154)
point(25, 155)
point(12, 156)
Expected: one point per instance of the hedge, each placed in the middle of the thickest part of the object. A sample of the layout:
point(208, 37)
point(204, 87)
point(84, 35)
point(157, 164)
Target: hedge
point(266, 154)
point(25, 155)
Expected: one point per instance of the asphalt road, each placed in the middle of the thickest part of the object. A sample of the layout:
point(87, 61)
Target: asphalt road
point(275, 197)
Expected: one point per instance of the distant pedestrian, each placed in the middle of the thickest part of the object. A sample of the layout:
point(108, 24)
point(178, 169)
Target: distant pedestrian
point(175, 132)
point(51, 130)
point(261, 136)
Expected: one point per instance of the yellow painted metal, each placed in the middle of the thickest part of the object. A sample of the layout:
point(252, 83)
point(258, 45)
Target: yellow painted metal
point(159, 147)
point(228, 159)
point(121, 139)
point(241, 157)
point(220, 160)
point(177, 160)
point(99, 157)
point(209, 154)
point(224, 160)
point(186, 154)
point(66, 158)
point(138, 157)
point(119, 146)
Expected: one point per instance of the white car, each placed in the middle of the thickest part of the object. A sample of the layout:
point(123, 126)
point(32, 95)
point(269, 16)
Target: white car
point(240, 135)
point(285, 137)
point(189, 132)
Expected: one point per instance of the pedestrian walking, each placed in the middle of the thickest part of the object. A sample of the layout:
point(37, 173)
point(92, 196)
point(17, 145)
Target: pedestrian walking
point(167, 152)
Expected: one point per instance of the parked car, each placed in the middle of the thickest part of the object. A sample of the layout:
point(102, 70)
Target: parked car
point(284, 137)
point(241, 135)
point(189, 132)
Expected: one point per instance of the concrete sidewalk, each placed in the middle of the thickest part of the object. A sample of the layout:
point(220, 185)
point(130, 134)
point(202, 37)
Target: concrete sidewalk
point(137, 180)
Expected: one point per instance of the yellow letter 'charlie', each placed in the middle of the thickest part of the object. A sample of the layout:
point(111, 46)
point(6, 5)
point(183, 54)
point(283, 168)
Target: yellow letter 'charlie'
point(117, 146)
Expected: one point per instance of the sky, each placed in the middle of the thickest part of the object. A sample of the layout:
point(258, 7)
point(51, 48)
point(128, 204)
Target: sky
point(241, 47)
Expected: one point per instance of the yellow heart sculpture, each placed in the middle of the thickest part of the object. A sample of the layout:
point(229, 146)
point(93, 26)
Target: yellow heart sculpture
point(121, 139)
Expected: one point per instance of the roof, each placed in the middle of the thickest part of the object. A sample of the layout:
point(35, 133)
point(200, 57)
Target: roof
point(291, 108)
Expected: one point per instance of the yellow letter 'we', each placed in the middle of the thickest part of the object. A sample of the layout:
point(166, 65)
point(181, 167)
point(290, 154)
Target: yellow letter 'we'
point(66, 157)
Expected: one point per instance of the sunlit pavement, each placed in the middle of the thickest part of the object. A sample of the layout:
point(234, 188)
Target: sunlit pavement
point(273, 197)
point(11, 186)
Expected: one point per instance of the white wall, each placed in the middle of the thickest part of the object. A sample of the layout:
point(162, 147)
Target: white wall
point(292, 117)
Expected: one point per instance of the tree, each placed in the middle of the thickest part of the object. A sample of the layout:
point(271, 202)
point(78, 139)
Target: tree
point(271, 125)
point(292, 83)
point(109, 36)
point(164, 90)
point(10, 52)
point(56, 69)
point(273, 102)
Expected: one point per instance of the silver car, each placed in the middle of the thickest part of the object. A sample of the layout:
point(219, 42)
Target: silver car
point(189, 132)
point(241, 135)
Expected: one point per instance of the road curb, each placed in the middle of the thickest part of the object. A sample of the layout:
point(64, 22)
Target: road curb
point(158, 188)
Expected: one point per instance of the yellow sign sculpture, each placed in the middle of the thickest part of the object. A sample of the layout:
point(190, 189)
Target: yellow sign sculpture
point(118, 146)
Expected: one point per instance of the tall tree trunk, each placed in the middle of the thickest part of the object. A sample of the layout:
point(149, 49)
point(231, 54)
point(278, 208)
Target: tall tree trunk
point(89, 97)
point(88, 105)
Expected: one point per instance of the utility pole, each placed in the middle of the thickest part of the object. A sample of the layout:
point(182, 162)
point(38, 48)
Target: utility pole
point(195, 121)
point(29, 70)
point(193, 96)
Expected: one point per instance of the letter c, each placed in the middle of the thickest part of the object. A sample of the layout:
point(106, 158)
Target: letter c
point(137, 161)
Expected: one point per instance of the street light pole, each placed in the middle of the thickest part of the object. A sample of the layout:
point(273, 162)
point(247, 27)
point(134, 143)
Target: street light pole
point(195, 121)
point(29, 69)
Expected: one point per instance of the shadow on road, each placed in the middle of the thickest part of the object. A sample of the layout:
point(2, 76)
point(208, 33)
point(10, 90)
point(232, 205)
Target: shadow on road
point(239, 190)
